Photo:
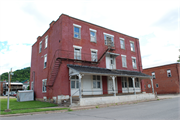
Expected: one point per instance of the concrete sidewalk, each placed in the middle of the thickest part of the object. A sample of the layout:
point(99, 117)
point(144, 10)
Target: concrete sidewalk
point(166, 96)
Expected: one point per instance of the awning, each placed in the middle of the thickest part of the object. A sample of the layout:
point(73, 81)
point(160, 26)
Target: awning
point(87, 70)
point(114, 54)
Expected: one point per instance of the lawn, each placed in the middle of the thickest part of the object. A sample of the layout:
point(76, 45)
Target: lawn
point(25, 107)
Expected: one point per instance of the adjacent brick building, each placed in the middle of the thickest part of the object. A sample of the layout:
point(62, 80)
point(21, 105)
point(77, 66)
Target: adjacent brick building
point(166, 79)
point(77, 58)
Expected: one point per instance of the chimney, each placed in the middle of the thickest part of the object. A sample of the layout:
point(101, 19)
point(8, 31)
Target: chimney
point(51, 24)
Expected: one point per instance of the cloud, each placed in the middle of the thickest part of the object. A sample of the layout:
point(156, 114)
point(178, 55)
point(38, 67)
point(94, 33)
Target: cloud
point(169, 21)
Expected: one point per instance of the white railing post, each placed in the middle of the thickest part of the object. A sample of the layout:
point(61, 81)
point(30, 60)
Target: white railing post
point(134, 86)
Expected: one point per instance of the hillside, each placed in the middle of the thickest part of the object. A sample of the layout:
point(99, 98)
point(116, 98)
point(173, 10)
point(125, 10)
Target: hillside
point(19, 75)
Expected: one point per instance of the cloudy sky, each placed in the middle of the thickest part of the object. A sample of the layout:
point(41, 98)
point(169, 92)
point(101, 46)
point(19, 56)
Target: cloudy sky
point(155, 22)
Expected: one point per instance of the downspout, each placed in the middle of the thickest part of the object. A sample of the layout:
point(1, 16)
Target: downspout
point(138, 50)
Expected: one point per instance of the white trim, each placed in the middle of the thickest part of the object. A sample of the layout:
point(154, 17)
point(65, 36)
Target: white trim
point(94, 50)
point(123, 55)
point(133, 57)
point(121, 38)
point(79, 47)
point(45, 85)
point(92, 30)
point(77, 25)
point(108, 34)
point(131, 41)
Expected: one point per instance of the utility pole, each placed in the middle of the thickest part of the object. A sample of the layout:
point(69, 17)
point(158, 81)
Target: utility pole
point(9, 86)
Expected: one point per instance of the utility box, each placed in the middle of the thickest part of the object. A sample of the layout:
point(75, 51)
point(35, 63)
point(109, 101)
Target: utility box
point(25, 95)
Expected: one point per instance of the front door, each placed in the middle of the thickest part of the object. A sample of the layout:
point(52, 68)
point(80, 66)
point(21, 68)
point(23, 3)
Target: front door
point(124, 85)
point(110, 86)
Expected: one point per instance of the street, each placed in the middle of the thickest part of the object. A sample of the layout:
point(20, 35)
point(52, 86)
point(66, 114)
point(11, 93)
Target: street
point(167, 109)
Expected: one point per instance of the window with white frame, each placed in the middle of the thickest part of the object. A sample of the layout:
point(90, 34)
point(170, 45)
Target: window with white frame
point(46, 41)
point(32, 85)
point(122, 43)
point(93, 55)
point(77, 31)
point(77, 52)
point(45, 60)
point(96, 81)
point(124, 64)
point(169, 73)
point(40, 47)
point(44, 85)
point(124, 82)
point(153, 74)
point(134, 63)
point(109, 39)
point(132, 46)
point(137, 82)
point(74, 82)
point(92, 35)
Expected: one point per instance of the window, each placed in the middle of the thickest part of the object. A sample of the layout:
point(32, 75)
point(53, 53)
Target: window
point(109, 39)
point(157, 85)
point(46, 41)
point(96, 81)
point(124, 82)
point(92, 35)
point(44, 85)
point(75, 82)
point(93, 55)
point(137, 82)
point(134, 62)
point(169, 73)
point(45, 60)
point(77, 52)
point(153, 74)
point(77, 31)
point(40, 47)
point(122, 43)
point(32, 85)
point(130, 82)
point(132, 46)
point(124, 64)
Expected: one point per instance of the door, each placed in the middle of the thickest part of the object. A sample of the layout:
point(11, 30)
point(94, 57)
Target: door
point(110, 86)
point(124, 85)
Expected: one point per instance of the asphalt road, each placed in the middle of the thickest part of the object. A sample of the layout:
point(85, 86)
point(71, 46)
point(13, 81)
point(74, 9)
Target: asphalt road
point(167, 109)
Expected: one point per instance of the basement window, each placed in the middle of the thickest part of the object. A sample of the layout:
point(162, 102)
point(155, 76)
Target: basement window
point(169, 73)
point(44, 85)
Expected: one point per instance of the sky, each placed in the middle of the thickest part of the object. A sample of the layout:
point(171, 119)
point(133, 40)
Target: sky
point(155, 22)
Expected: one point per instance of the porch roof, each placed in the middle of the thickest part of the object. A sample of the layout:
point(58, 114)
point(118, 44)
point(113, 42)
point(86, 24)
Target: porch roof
point(77, 69)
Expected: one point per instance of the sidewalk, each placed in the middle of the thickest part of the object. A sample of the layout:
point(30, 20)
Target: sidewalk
point(162, 96)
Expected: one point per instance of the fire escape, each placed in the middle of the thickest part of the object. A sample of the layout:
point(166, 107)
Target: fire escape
point(61, 55)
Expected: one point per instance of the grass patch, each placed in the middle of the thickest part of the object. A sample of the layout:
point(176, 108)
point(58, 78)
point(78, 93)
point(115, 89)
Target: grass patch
point(69, 109)
point(97, 106)
point(157, 99)
point(26, 107)
point(31, 110)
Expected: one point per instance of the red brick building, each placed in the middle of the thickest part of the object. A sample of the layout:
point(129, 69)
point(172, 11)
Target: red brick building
point(166, 79)
point(77, 58)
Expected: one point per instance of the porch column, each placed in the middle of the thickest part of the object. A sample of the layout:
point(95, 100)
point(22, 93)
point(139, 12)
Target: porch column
point(113, 78)
point(134, 85)
point(80, 76)
point(152, 86)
